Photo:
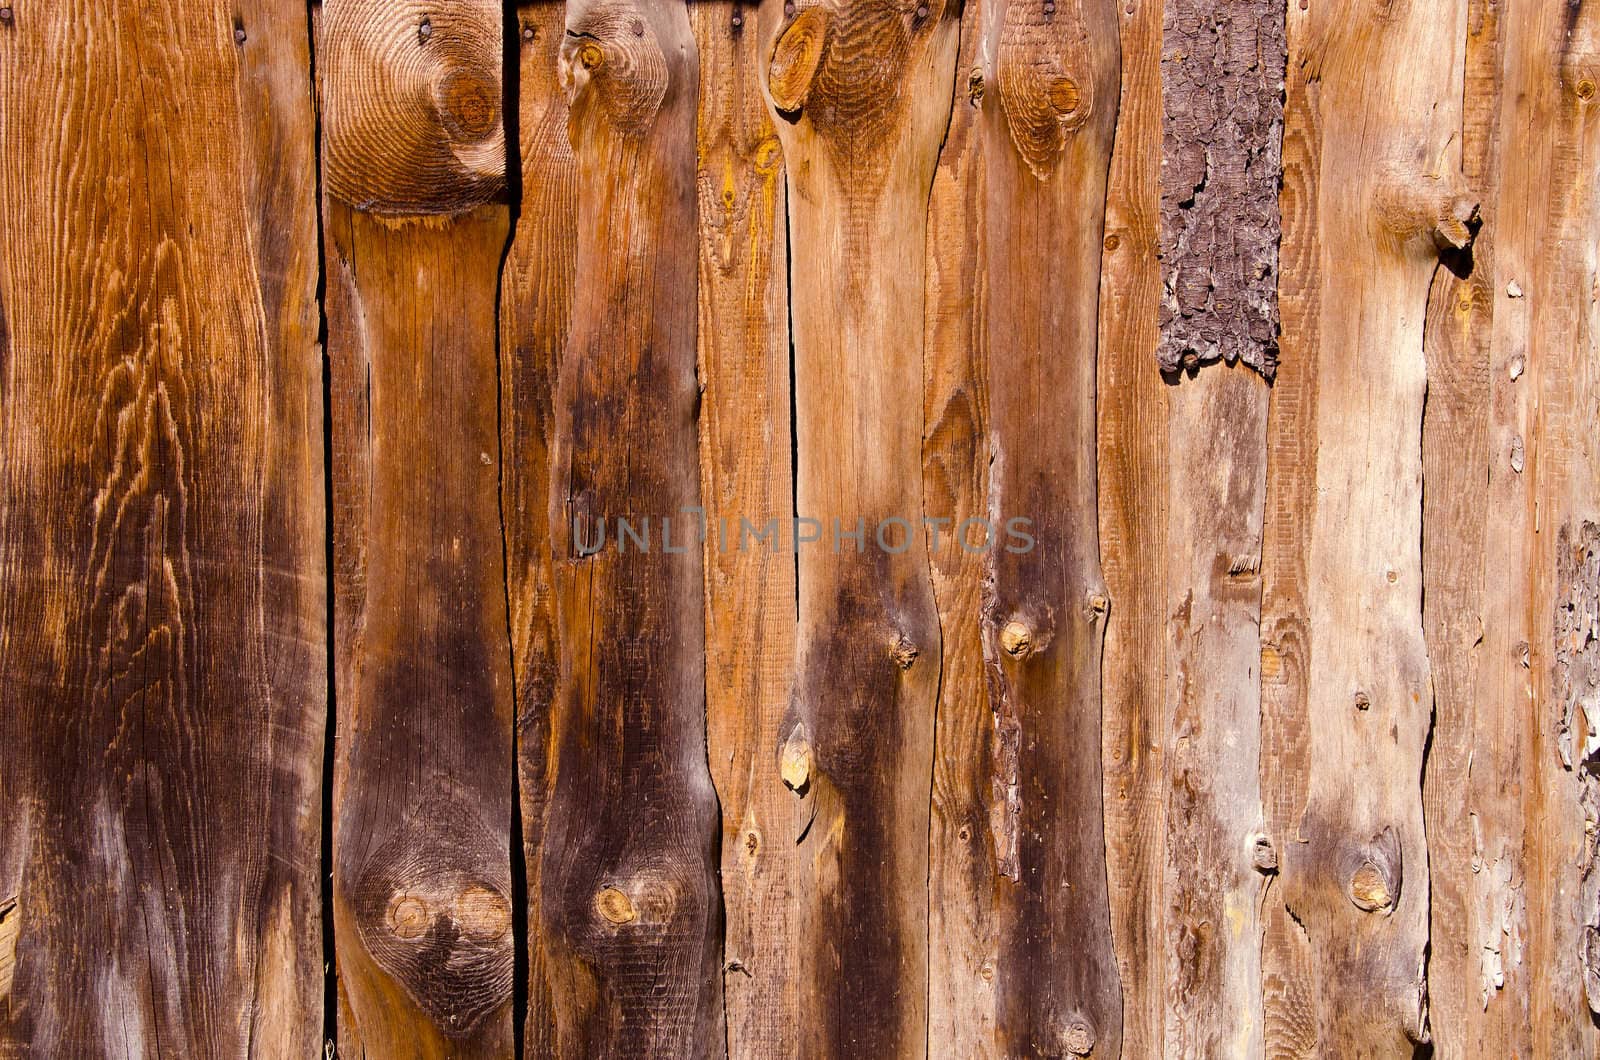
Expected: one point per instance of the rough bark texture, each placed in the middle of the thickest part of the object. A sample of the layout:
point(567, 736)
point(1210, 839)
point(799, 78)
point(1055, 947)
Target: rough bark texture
point(1222, 68)
point(423, 777)
point(162, 642)
point(626, 930)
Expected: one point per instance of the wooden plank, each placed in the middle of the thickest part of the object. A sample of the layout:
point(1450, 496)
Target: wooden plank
point(1133, 480)
point(1052, 83)
point(1543, 464)
point(536, 295)
point(1477, 998)
point(1379, 92)
point(162, 593)
point(628, 907)
point(862, 96)
point(413, 159)
point(955, 476)
point(746, 479)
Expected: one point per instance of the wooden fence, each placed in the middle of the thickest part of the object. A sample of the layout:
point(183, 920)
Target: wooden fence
point(848, 528)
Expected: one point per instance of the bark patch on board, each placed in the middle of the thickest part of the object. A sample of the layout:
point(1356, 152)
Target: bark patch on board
point(1222, 71)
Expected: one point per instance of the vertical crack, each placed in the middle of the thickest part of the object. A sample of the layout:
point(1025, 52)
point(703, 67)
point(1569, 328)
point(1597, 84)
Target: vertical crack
point(330, 975)
point(511, 111)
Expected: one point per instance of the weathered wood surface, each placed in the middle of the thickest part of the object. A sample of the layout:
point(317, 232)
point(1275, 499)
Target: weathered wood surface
point(1343, 622)
point(626, 928)
point(823, 266)
point(747, 479)
point(413, 161)
point(162, 652)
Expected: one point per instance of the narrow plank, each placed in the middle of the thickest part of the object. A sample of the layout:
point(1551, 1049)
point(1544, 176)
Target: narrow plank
point(955, 475)
point(1544, 462)
point(746, 476)
point(1216, 859)
point(862, 94)
point(1051, 98)
point(1133, 480)
point(162, 600)
point(413, 160)
point(1477, 993)
point(1389, 193)
point(536, 296)
point(628, 912)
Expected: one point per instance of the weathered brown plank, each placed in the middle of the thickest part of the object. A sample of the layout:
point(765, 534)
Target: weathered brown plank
point(1051, 91)
point(1133, 479)
point(536, 293)
point(955, 475)
point(862, 95)
point(162, 639)
point(1379, 90)
point(746, 478)
point(627, 917)
point(413, 157)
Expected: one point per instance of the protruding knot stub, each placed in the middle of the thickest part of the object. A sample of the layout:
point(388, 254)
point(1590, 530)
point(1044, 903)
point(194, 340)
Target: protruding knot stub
point(1441, 209)
point(796, 57)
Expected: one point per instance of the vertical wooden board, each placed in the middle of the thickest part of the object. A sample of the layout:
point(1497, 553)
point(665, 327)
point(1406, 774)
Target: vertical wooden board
point(161, 587)
point(628, 908)
point(861, 94)
point(955, 475)
point(536, 294)
point(1216, 858)
point(1389, 195)
point(1052, 85)
point(413, 156)
point(1133, 480)
point(1546, 257)
point(1477, 990)
point(746, 477)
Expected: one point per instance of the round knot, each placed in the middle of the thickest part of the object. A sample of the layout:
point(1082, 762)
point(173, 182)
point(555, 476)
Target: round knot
point(469, 104)
point(614, 906)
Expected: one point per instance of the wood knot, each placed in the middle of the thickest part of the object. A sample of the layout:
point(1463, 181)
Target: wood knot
point(1374, 884)
point(469, 104)
point(794, 764)
point(1414, 207)
point(1077, 1037)
point(1263, 855)
point(904, 652)
point(1363, 701)
point(752, 843)
point(1368, 889)
point(1016, 639)
point(796, 56)
point(614, 906)
point(975, 86)
point(1585, 89)
point(1063, 94)
point(616, 64)
point(1098, 605)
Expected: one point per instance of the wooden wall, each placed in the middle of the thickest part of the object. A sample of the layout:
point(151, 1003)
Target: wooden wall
point(334, 337)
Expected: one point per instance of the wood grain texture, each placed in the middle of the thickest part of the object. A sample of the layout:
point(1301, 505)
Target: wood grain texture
point(746, 475)
point(955, 477)
point(423, 776)
point(162, 615)
point(1217, 861)
point(1477, 994)
point(1133, 480)
point(1052, 85)
point(162, 667)
point(1543, 462)
point(628, 905)
point(861, 92)
point(1389, 195)
point(536, 295)
point(1222, 92)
